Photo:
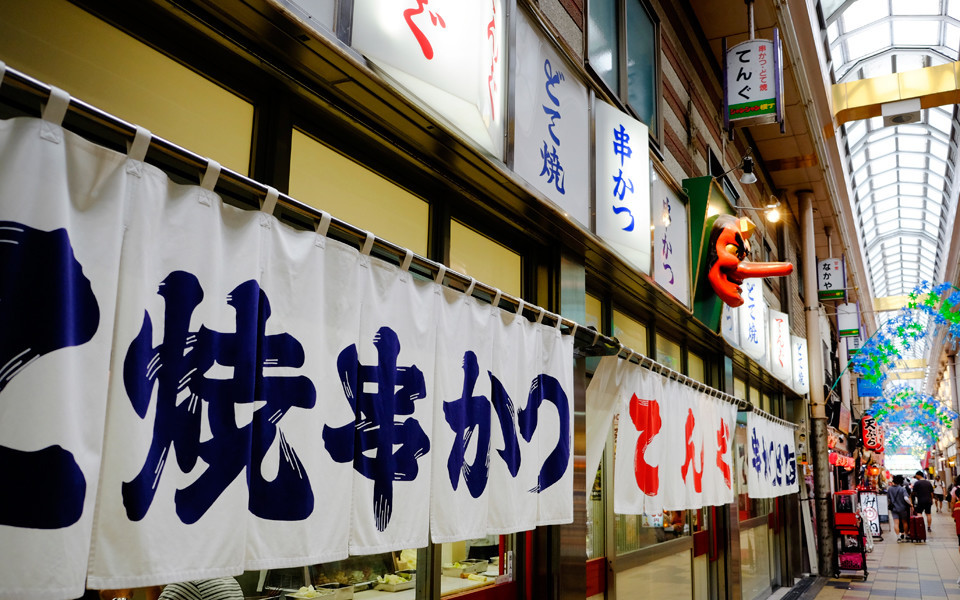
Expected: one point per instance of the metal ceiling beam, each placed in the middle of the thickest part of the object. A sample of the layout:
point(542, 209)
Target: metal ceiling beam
point(862, 99)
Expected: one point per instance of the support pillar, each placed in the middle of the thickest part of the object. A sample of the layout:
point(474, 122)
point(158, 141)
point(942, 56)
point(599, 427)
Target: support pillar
point(818, 413)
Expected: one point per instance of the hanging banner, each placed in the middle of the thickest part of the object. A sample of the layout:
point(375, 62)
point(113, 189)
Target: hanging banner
point(552, 123)
point(871, 434)
point(771, 458)
point(831, 279)
point(853, 346)
point(753, 320)
point(753, 82)
point(673, 444)
point(236, 395)
point(848, 320)
point(449, 54)
point(781, 360)
point(623, 184)
point(801, 366)
point(62, 202)
point(671, 264)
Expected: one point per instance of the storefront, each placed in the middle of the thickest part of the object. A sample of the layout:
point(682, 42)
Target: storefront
point(312, 116)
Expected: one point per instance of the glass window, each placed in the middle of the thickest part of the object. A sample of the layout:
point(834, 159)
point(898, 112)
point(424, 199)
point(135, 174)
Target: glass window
point(635, 532)
point(668, 353)
point(631, 333)
point(349, 191)
point(630, 47)
point(695, 367)
point(739, 388)
point(476, 255)
point(594, 312)
point(472, 563)
point(65, 46)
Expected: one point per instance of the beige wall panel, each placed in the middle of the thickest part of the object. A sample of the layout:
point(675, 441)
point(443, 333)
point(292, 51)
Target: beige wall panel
point(478, 256)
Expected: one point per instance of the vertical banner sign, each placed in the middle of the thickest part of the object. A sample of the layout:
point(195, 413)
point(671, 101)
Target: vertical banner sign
point(781, 360)
point(552, 123)
point(449, 54)
point(771, 459)
point(730, 325)
point(671, 263)
point(623, 184)
point(848, 320)
point(801, 366)
point(753, 320)
point(853, 346)
point(871, 434)
point(831, 279)
point(870, 511)
point(753, 89)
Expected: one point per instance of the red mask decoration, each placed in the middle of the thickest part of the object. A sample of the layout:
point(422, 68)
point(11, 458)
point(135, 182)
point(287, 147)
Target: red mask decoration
point(728, 248)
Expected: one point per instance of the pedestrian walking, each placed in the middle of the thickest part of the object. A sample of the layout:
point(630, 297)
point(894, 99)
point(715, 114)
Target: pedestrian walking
point(899, 504)
point(956, 521)
point(922, 495)
point(938, 492)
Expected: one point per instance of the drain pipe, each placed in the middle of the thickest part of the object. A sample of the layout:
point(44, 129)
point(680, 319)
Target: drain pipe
point(818, 413)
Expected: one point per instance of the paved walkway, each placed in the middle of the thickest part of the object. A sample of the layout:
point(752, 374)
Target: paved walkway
point(905, 571)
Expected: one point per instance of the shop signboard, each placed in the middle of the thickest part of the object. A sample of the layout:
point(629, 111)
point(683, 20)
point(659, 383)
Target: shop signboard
point(845, 416)
point(730, 325)
point(753, 82)
point(552, 124)
point(848, 320)
point(801, 366)
point(753, 320)
point(853, 346)
point(870, 512)
point(771, 458)
point(831, 279)
point(868, 388)
point(671, 262)
point(623, 184)
point(781, 361)
point(448, 54)
point(871, 434)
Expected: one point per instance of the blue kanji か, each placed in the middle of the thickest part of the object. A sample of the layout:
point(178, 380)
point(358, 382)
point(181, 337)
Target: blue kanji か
point(469, 415)
point(46, 303)
point(178, 369)
point(381, 448)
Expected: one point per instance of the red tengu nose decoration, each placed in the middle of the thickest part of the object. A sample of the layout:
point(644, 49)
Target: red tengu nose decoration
point(728, 249)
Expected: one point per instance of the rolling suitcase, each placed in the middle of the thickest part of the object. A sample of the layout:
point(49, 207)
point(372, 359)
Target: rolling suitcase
point(917, 529)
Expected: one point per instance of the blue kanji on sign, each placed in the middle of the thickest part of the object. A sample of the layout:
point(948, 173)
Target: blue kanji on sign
point(547, 388)
point(467, 416)
point(46, 303)
point(381, 448)
point(755, 462)
point(178, 369)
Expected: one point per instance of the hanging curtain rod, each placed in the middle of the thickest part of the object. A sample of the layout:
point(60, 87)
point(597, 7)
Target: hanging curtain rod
point(584, 338)
point(642, 360)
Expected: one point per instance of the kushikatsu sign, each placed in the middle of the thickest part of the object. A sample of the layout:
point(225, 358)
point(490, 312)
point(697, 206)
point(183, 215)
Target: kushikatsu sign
point(753, 82)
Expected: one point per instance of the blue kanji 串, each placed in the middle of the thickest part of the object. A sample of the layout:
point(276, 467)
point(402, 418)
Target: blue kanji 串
point(375, 428)
point(178, 369)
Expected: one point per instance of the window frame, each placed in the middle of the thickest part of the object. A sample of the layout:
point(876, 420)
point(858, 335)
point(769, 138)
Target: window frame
point(622, 95)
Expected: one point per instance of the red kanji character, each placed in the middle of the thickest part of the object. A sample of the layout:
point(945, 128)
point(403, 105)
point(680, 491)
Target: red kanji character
point(645, 415)
point(435, 18)
point(723, 437)
point(691, 450)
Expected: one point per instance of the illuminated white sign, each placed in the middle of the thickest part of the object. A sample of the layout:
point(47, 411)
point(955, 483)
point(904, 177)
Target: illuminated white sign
point(753, 321)
point(781, 359)
point(801, 366)
point(671, 265)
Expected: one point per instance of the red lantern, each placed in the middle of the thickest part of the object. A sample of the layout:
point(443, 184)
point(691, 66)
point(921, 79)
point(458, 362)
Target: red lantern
point(873, 470)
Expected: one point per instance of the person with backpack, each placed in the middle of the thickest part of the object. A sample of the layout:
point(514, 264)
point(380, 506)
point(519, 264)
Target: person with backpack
point(899, 502)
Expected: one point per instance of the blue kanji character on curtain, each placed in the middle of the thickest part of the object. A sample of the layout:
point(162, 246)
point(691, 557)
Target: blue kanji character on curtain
point(755, 462)
point(375, 428)
point(178, 368)
point(791, 460)
point(46, 303)
point(467, 416)
point(547, 388)
point(778, 473)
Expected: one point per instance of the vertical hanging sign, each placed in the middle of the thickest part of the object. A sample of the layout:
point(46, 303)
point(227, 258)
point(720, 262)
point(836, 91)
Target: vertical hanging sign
point(831, 279)
point(730, 325)
point(623, 184)
point(848, 320)
point(670, 235)
point(801, 366)
point(781, 361)
point(552, 123)
point(753, 321)
point(753, 83)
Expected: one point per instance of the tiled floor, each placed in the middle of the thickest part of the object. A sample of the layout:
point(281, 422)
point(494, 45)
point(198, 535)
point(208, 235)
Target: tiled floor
point(926, 571)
